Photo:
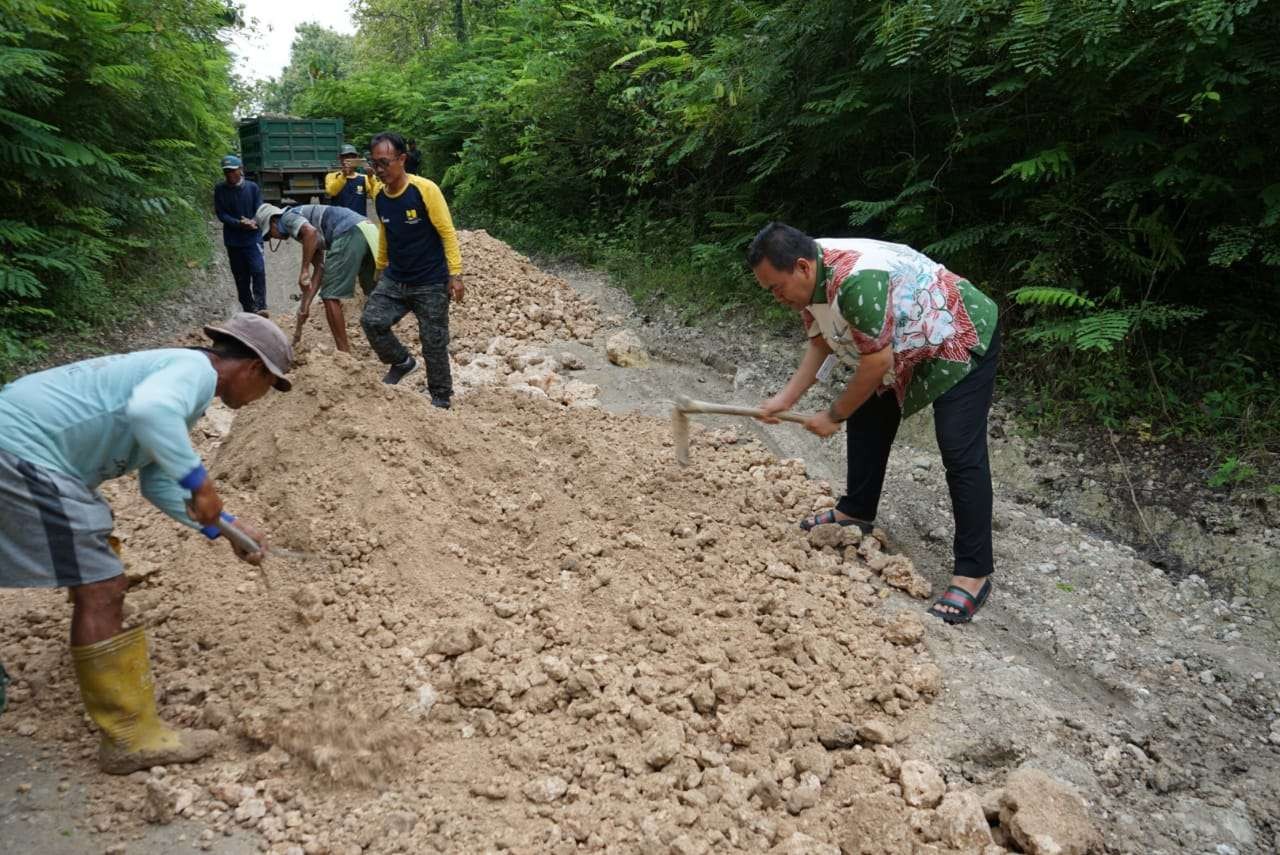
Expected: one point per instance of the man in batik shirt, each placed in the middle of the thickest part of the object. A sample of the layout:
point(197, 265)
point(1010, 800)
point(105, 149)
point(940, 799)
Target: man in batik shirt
point(918, 334)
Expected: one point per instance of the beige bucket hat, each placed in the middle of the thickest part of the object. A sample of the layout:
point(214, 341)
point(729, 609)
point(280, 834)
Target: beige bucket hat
point(263, 216)
point(264, 338)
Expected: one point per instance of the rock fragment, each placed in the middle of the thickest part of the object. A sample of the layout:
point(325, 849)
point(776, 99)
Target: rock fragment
point(626, 350)
point(904, 629)
point(703, 698)
point(805, 795)
point(663, 745)
point(455, 641)
point(1045, 816)
point(815, 759)
point(922, 785)
point(250, 811)
point(802, 844)
point(899, 572)
point(492, 790)
point(830, 535)
point(158, 808)
point(874, 824)
point(877, 732)
point(964, 824)
point(835, 735)
point(544, 790)
point(778, 570)
point(229, 793)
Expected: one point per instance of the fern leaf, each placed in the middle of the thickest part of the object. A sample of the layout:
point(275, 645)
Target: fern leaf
point(17, 233)
point(1231, 244)
point(1051, 333)
point(1045, 295)
point(964, 239)
point(1104, 330)
point(1050, 163)
point(18, 282)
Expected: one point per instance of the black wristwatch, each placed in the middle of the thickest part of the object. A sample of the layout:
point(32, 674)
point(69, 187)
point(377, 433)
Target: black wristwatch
point(831, 414)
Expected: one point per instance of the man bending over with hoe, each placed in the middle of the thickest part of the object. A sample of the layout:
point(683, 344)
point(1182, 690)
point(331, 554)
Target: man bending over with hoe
point(919, 335)
point(338, 247)
point(66, 430)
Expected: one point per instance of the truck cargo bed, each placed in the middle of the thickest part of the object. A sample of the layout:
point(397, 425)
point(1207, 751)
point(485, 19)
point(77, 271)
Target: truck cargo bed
point(289, 157)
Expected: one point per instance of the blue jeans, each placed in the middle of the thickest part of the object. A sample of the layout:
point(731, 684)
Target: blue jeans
point(250, 272)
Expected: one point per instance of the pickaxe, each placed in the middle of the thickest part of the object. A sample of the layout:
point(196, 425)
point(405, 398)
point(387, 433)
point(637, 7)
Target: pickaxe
point(684, 406)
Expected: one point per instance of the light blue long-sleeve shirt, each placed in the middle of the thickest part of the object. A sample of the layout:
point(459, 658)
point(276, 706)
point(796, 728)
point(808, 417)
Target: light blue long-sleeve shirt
point(102, 418)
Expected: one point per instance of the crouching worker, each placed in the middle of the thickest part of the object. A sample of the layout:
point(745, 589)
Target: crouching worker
point(338, 248)
point(66, 430)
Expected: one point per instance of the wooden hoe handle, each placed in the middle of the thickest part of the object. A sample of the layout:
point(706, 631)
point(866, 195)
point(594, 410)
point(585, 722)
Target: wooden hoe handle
point(688, 405)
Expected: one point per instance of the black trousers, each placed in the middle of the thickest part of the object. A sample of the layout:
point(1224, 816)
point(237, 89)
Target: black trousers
point(390, 302)
point(248, 268)
point(960, 424)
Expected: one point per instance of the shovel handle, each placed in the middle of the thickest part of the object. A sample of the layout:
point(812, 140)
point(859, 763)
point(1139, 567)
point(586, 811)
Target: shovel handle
point(732, 410)
point(226, 524)
point(238, 537)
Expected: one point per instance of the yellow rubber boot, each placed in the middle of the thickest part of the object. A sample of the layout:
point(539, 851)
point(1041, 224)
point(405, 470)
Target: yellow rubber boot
point(115, 683)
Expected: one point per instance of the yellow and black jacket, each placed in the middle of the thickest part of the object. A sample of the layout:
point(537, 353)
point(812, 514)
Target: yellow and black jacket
point(351, 192)
point(418, 245)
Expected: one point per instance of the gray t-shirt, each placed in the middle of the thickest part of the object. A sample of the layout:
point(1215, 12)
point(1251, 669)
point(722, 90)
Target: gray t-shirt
point(332, 221)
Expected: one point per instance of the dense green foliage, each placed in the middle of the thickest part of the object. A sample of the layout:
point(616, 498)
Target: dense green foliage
point(114, 112)
point(1105, 167)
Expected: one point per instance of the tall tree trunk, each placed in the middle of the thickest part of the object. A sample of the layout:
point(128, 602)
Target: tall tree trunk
point(459, 22)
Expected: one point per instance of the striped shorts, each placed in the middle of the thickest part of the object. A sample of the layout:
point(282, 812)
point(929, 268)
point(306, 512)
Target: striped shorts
point(53, 529)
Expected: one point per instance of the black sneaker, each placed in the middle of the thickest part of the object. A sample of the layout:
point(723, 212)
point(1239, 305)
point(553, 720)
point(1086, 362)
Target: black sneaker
point(396, 373)
point(442, 403)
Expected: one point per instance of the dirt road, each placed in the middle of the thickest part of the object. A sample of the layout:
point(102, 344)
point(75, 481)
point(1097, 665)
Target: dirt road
point(550, 638)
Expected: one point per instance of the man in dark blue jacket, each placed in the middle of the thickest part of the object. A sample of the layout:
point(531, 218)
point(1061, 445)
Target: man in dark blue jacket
point(235, 201)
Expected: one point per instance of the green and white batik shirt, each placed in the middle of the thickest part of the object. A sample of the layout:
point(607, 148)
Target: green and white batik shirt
point(871, 294)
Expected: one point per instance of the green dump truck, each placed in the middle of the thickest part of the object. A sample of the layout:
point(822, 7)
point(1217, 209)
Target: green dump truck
point(288, 158)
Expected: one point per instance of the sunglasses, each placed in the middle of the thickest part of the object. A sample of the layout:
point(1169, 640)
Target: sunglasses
point(384, 162)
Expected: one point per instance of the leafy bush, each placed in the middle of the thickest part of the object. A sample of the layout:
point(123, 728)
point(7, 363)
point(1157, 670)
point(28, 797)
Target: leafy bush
point(1119, 152)
point(114, 114)
point(1232, 471)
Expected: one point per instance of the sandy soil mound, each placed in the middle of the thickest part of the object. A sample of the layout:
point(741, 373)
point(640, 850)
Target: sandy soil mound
point(512, 296)
point(532, 636)
point(524, 628)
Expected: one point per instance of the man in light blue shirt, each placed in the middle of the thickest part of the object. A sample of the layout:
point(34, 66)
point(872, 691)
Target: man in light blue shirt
point(66, 430)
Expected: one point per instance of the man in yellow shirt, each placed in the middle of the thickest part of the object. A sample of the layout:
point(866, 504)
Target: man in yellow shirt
point(348, 187)
point(420, 269)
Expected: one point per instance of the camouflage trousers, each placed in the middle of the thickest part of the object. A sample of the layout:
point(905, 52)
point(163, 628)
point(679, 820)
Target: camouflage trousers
point(390, 302)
